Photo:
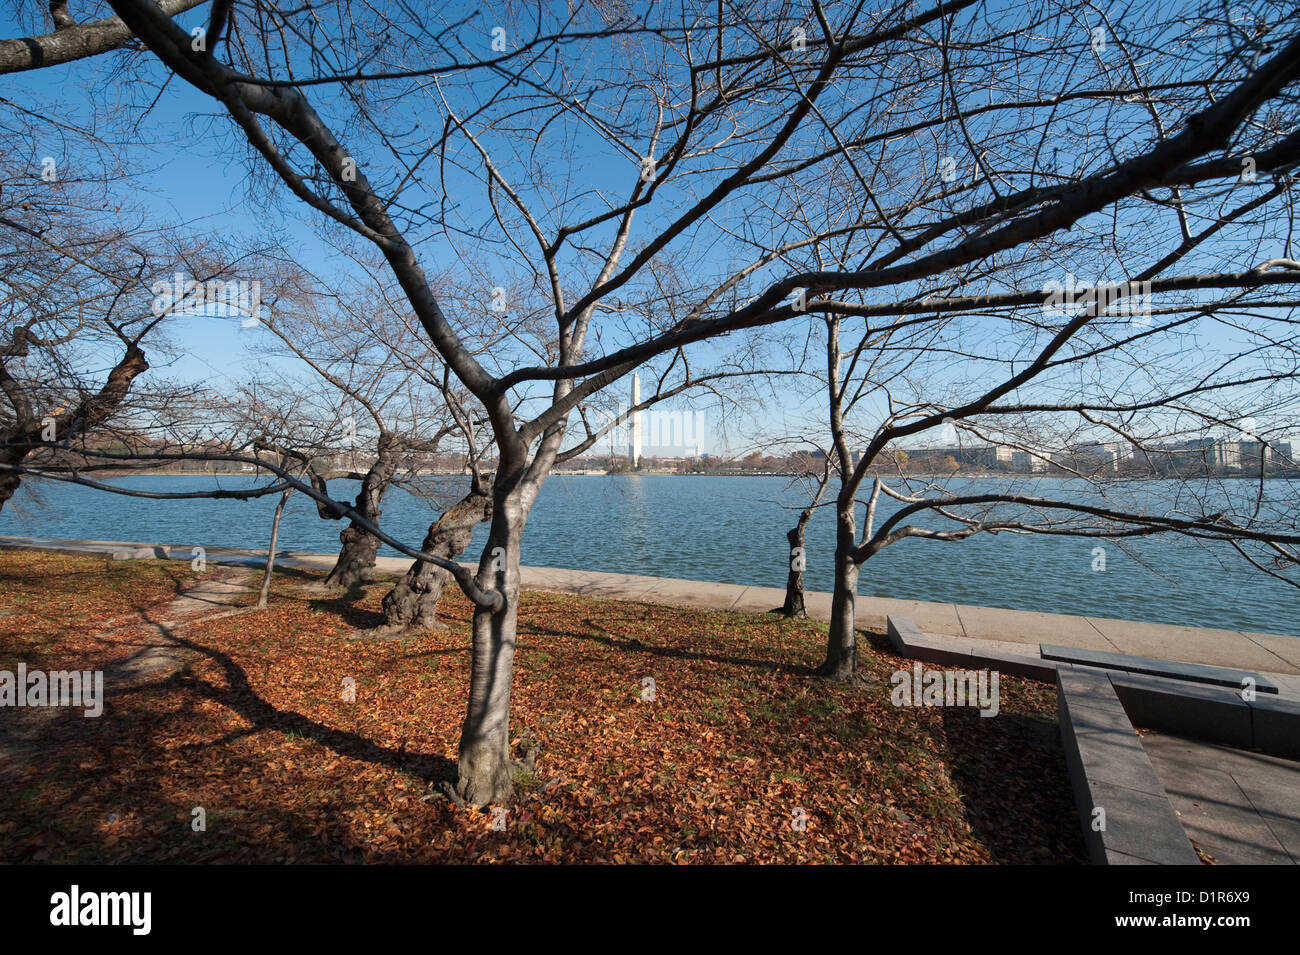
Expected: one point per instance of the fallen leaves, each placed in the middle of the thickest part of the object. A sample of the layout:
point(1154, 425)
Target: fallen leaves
point(254, 729)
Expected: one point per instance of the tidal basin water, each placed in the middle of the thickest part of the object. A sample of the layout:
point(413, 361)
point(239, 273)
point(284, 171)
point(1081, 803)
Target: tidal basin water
point(729, 529)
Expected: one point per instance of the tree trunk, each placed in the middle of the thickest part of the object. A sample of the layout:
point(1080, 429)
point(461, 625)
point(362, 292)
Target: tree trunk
point(10, 479)
point(486, 771)
point(270, 551)
point(76, 422)
point(794, 589)
point(842, 642)
point(356, 561)
point(412, 604)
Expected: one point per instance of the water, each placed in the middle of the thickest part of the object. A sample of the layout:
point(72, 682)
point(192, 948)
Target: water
point(729, 529)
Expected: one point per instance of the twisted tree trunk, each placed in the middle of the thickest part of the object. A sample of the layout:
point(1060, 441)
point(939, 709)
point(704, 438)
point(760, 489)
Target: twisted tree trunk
point(412, 604)
point(794, 587)
point(11, 457)
point(356, 560)
point(17, 444)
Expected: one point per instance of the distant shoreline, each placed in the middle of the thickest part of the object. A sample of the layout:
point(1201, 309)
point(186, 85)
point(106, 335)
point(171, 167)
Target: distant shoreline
point(1001, 475)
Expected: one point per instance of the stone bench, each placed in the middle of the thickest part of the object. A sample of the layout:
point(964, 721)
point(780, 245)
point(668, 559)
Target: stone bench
point(1190, 672)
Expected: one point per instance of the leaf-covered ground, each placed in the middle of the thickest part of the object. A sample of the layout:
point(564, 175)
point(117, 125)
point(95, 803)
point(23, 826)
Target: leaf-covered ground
point(254, 730)
point(52, 606)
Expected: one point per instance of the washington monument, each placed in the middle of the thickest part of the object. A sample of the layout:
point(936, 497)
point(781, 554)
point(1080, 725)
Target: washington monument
point(634, 431)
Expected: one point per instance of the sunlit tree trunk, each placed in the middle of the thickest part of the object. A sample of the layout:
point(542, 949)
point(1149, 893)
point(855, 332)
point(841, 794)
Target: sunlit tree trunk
point(265, 594)
point(486, 771)
point(842, 642)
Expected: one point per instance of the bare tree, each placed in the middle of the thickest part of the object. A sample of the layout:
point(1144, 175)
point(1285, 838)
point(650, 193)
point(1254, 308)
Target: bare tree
point(1099, 385)
point(355, 346)
point(699, 116)
point(816, 482)
point(78, 300)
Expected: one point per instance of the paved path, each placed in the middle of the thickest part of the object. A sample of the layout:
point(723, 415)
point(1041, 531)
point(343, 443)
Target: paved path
point(1271, 654)
point(23, 735)
point(1240, 807)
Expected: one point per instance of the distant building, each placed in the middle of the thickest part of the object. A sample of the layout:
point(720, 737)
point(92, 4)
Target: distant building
point(984, 455)
point(1026, 462)
point(1090, 456)
point(988, 456)
point(1250, 454)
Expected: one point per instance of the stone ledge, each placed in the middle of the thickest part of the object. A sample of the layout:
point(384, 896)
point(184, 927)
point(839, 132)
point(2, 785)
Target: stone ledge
point(1275, 727)
point(1110, 770)
point(1189, 672)
point(1185, 709)
point(907, 640)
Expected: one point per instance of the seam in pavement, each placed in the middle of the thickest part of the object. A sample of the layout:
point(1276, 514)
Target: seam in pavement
point(637, 597)
point(1263, 818)
point(960, 622)
point(1094, 626)
point(1267, 650)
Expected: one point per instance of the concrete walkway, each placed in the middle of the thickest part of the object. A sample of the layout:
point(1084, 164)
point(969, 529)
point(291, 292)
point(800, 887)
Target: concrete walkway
point(1271, 654)
point(1242, 808)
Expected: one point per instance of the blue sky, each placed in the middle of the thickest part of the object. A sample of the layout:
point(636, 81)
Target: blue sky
point(192, 177)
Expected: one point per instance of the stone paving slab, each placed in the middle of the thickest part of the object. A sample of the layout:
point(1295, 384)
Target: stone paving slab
point(594, 584)
point(1110, 751)
point(1286, 649)
point(1086, 688)
point(1141, 828)
point(765, 599)
point(689, 593)
point(1109, 770)
point(1288, 684)
point(933, 618)
point(1273, 787)
point(1224, 648)
point(1240, 807)
point(1016, 626)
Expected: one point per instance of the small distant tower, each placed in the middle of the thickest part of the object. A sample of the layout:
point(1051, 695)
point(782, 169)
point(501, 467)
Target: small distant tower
point(634, 431)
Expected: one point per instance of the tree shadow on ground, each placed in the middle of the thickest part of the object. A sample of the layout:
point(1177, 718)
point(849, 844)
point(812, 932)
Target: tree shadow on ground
point(345, 607)
point(239, 696)
point(1001, 805)
point(635, 645)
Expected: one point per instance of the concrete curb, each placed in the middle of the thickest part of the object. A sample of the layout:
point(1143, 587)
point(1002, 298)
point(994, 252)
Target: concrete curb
point(1189, 672)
